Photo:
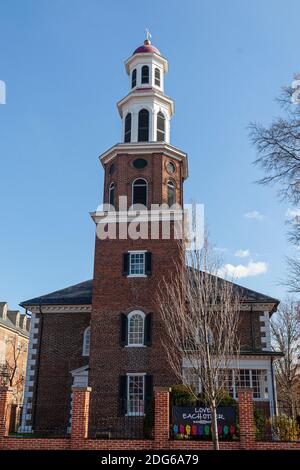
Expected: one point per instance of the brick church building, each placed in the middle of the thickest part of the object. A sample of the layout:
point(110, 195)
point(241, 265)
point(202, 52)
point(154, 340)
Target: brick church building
point(106, 332)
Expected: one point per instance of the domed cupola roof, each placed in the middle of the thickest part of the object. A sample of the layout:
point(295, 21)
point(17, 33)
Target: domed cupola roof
point(147, 48)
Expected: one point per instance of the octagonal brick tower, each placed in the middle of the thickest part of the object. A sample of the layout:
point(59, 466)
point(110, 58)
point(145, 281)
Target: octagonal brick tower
point(127, 357)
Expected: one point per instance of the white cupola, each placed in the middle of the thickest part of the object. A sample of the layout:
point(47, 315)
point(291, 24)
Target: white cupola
point(146, 111)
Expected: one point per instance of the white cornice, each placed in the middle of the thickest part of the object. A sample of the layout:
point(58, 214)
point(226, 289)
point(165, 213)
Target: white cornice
point(107, 217)
point(59, 308)
point(258, 306)
point(138, 148)
point(144, 55)
point(139, 95)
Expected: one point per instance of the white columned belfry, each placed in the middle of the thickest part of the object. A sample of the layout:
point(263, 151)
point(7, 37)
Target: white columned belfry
point(146, 111)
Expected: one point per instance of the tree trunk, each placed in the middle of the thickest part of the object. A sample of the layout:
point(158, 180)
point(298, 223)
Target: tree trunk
point(215, 434)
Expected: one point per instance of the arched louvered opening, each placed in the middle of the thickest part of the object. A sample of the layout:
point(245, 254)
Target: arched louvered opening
point(133, 78)
point(127, 131)
point(145, 74)
point(143, 126)
point(157, 77)
point(139, 192)
point(161, 124)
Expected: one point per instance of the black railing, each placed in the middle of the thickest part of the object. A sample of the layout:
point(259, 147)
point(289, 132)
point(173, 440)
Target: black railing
point(128, 420)
point(48, 420)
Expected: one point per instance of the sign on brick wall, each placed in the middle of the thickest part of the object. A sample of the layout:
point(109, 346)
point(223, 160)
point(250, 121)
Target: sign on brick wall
point(196, 421)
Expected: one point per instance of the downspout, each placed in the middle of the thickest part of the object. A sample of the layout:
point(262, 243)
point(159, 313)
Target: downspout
point(273, 389)
point(36, 378)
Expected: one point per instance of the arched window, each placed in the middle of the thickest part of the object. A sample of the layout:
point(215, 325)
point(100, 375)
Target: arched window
point(136, 328)
point(160, 135)
point(111, 195)
point(171, 193)
point(133, 78)
point(145, 74)
point(143, 131)
point(86, 341)
point(139, 192)
point(157, 77)
point(127, 131)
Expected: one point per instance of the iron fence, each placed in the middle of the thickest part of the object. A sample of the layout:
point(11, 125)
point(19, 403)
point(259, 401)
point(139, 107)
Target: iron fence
point(41, 420)
point(126, 420)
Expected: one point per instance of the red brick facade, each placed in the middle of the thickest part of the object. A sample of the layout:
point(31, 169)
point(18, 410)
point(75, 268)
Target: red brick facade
point(57, 341)
point(114, 294)
point(79, 440)
point(155, 173)
point(59, 351)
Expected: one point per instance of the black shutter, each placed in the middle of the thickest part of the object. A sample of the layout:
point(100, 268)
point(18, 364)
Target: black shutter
point(124, 329)
point(148, 263)
point(123, 395)
point(148, 330)
point(125, 264)
point(148, 392)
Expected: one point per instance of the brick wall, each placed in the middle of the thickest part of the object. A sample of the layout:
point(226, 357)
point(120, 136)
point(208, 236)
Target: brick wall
point(114, 294)
point(58, 352)
point(79, 440)
point(155, 173)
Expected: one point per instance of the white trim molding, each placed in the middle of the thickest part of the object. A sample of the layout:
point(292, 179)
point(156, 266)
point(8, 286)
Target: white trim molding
point(60, 308)
point(265, 330)
point(26, 425)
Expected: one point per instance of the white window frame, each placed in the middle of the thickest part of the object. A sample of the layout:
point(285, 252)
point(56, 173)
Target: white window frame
point(137, 252)
point(86, 343)
point(232, 373)
point(129, 316)
point(112, 187)
point(136, 179)
point(135, 374)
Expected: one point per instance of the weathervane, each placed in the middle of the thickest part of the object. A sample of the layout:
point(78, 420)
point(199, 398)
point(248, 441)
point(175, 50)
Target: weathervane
point(148, 34)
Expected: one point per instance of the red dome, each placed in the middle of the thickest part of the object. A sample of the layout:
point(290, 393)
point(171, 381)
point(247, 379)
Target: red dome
point(147, 48)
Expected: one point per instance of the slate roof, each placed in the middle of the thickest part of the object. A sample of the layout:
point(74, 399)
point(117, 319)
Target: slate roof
point(81, 294)
point(8, 323)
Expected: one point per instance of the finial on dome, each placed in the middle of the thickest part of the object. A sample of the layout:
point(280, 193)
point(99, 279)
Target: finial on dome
point(147, 41)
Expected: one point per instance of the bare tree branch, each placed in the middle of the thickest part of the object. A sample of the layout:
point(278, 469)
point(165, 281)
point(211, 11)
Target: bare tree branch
point(285, 328)
point(278, 148)
point(200, 315)
point(10, 372)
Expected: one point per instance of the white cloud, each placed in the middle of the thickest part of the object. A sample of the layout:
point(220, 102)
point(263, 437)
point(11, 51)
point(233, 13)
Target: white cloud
point(292, 213)
point(242, 253)
point(240, 270)
point(254, 215)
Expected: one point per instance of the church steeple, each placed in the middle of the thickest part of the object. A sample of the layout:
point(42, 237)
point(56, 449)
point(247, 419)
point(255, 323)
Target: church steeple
point(144, 158)
point(146, 111)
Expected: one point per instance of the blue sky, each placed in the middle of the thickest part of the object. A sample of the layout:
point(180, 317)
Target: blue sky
point(63, 65)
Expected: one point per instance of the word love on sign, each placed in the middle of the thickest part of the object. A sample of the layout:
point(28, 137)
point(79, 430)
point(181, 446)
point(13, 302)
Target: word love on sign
point(196, 421)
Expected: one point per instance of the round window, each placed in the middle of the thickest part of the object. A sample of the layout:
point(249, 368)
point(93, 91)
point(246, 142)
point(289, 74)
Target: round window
point(112, 168)
point(140, 163)
point(171, 167)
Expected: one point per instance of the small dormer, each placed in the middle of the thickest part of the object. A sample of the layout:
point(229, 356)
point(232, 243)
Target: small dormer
point(24, 322)
point(14, 317)
point(3, 310)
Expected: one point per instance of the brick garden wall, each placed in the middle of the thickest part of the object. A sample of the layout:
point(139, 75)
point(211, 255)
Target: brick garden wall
point(79, 441)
